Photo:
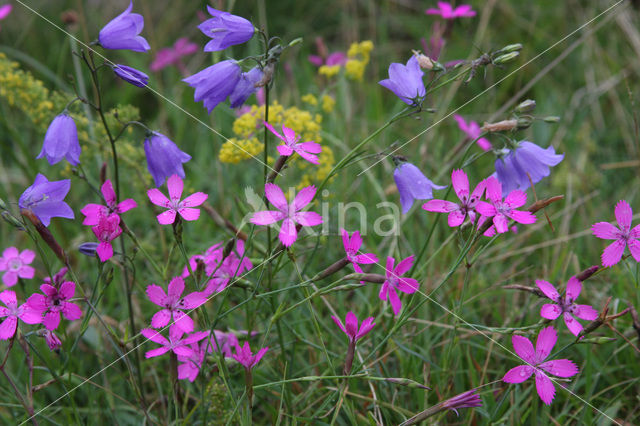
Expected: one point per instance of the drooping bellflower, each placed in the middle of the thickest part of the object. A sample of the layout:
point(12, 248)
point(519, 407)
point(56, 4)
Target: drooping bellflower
point(412, 185)
point(61, 141)
point(131, 75)
point(215, 83)
point(405, 81)
point(45, 199)
point(527, 163)
point(123, 32)
point(164, 158)
point(225, 30)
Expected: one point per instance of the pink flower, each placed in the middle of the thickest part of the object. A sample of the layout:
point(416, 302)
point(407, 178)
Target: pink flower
point(172, 55)
point(472, 129)
point(536, 364)
point(289, 212)
point(467, 207)
point(352, 247)
point(500, 210)
point(220, 271)
point(5, 10)
point(191, 364)
point(394, 282)
point(174, 205)
point(324, 58)
point(107, 230)
point(623, 234)
point(350, 327)
point(174, 343)
point(567, 307)
point(52, 340)
point(244, 356)
point(53, 302)
point(13, 312)
point(93, 212)
point(468, 399)
point(173, 304)
point(448, 12)
point(225, 342)
point(16, 265)
point(306, 150)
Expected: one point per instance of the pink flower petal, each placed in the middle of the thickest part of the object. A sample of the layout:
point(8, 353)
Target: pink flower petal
point(486, 209)
point(175, 185)
point(158, 198)
point(183, 321)
point(408, 285)
point(284, 150)
point(8, 297)
point(307, 218)
point(194, 200)
point(351, 324)
point(560, 367)
point(572, 324)
point(194, 300)
point(356, 242)
point(312, 147)
point(105, 251)
point(156, 352)
point(167, 218)
point(161, 318)
point(585, 312)
point(460, 183)
point(516, 199)
point(27, 256)
point(545, 388)
point(366, 326)
point(613, 253)
point(189, 214)
point(156, 294)
point(67, 290)
point(10, 253)
point(494, 190)
point(623, 214)
point(274, 131)
point(523, 347)
point(10, 278)
point(396, 305)
point(289, 134)
point(108, 193)
point(550, 311)
point(339, 323)
point(546, 341)
point(127, 205)
point(573, 289)
point(275, 196)
point(501, 223)
point(634, 248)
point(288, 233)
point(404, 265)
point(518, 374)
point(267, 217)
point(367, 258)
point(440, 206)
point(26, 272)
point(51, 320)
point(8, 328)
point(549, 290)
point(312, 158)
point(154, 336)
point(605, 230)
point(456, 218)
point(524, 217)
point(304, 197)
point(71, 311)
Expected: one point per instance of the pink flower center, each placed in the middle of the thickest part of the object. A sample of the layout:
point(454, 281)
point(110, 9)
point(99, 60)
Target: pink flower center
point(15, 264)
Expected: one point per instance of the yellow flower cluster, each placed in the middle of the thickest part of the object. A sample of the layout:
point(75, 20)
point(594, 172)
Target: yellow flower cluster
point(329, 70)
point(235, 150)
point(359, 55)
point(316, 174)
point(328, 103)
point(309, 99)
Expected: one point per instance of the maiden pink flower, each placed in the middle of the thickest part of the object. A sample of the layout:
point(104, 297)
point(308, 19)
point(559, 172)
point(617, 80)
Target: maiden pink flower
point(174, 205)
point(220, 270)
point(173, 304)
point(502, 211)
point(53, 302)
point(535, 363)
point(5, 10)
point(306, 150)
point(352, 248)
point(467, 207)
point(350, 327)
point(93, 212)
point(13, 312)
point(395, 282)
point(16, 265)
point(174, 343)
point(290, 214)
point(172, 55)
point(566, 306)
point(623, 234)
point(472, 130)
point(225, 343)
point(107, 230)
point(191, 364)
point(447, 11)
point(468, 399)
point(245, 357)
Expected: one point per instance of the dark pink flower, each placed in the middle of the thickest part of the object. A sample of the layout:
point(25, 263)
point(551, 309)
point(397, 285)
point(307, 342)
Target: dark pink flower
point(395, 282)
point(335, 58)
point(502, 211)
point(244, 356)
point(447, 11)
point(472, 130)
point(175, 186)
point(468, 399)
point(53, 341)
point(225, 343)
point(174, 343)
point(350, 327)
point(566, 306)
point(16, 265)
point(93, 212)
point(172, 55)
point(623, 234)
point(173, 304)
point(352, 248)
point(290, 214)
point(536, 364)
point(468, 202)
point(13, 312)
point(191, 364)
point(53, 302)
point(306, 150)
point(107, 230)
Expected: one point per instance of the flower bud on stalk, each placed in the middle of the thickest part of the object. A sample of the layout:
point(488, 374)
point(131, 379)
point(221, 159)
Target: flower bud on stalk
point(525, 107)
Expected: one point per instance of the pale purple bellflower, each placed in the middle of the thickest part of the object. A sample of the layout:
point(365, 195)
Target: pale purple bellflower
point(164, 158)
point(61, 141)
point(122, 32)
point(215, 83)
point(46, 199)
point(412, 184)
point(131, 75)
point(528, 160)
point(225, 30)
point(405, 81)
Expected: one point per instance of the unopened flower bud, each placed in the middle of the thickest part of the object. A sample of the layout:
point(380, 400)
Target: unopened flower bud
point(228, 247)
point(3, 205)
point(509, 49)
point(503, 59)
point(423, 60)
point(525, 106)
point(597, 340)
point(500, 126)
point(524, 122)
point(406, 382)
point(12, 220)
point(551, 119)
point(88, 249)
